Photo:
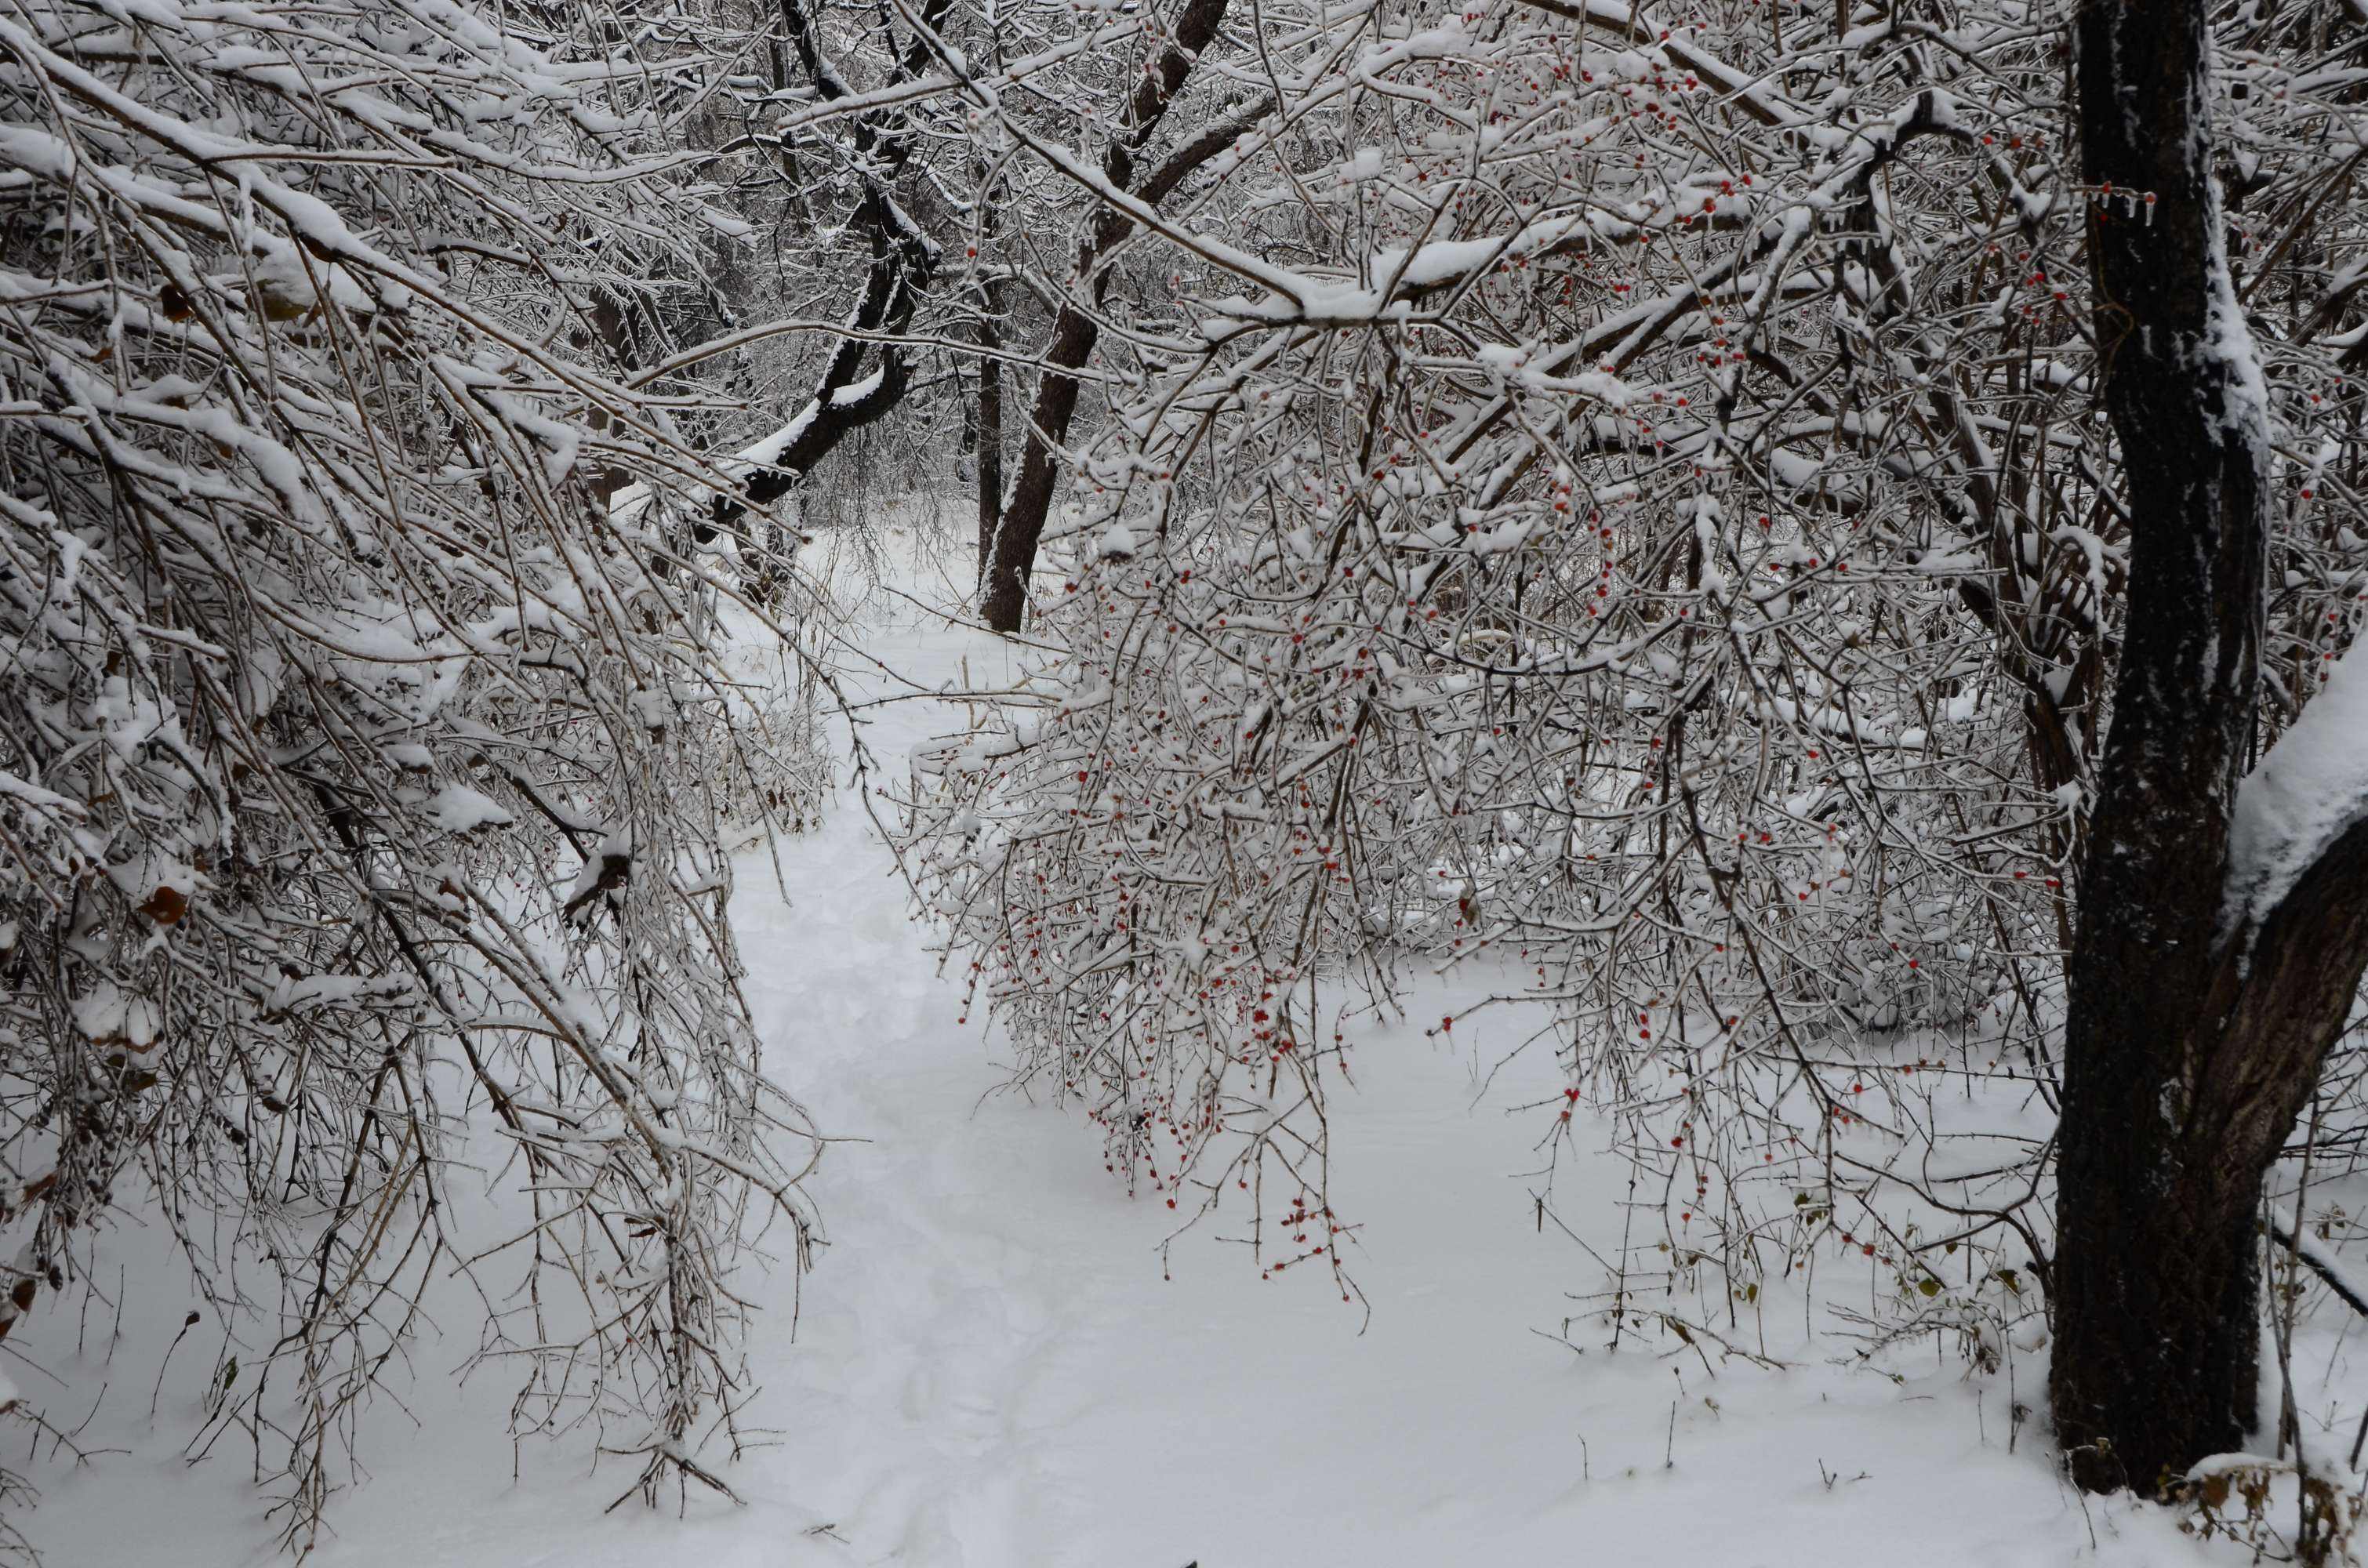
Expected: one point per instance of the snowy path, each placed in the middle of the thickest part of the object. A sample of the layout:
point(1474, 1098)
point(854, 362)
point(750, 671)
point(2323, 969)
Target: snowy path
point(991, 1373)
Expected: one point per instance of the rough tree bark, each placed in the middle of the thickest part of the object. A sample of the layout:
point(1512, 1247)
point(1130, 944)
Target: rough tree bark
point(2198, 1021)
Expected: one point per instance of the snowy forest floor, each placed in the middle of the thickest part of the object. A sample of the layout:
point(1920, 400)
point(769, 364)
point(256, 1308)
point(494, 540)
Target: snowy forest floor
point(989, 1369)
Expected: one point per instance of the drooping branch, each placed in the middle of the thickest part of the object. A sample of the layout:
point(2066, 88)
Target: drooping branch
point(903, 263)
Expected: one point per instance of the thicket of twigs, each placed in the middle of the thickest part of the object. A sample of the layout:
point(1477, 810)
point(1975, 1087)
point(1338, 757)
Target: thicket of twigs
point(1616, 503)
point(364, 780)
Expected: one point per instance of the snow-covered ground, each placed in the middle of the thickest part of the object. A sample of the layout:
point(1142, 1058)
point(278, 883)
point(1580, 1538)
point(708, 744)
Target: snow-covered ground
point(991, 1368)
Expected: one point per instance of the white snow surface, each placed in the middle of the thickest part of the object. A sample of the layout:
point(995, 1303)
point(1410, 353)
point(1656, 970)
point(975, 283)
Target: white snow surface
point(990, 1370)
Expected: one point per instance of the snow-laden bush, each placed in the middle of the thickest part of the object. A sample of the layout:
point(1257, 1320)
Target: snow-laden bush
point(361, 776)
point(1649, 534)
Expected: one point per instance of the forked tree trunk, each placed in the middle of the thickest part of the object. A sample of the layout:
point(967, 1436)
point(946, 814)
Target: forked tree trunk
point(1019, 527)
point(2197, 1026)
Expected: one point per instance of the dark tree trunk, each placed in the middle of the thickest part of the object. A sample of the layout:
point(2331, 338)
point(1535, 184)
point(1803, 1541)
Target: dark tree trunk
point(987, 414)
point(990, 437)
point(1003, 597)
point(903, 265)
point(2193, 1040)
point(1019, 527)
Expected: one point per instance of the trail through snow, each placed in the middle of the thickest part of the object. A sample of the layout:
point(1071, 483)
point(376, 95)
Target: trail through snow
point(991, 1371)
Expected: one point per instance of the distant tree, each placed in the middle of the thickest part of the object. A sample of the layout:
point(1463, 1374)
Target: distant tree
point(1008, 552)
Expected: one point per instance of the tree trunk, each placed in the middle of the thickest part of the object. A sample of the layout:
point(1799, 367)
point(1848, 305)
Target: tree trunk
point(1020, 528)
point(2192, 1038)
point(990, 437)
point(1003, 597)
point(988, 416)
point(903, 265)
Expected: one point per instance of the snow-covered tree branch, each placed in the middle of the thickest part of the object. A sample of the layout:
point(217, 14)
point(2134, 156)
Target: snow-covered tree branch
point(348, 851)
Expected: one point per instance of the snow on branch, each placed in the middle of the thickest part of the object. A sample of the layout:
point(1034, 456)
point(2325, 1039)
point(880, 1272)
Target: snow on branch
point(368, 793)
point(2307, 795)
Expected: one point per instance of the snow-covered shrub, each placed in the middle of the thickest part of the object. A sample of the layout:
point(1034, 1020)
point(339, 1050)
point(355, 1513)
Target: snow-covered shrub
point(1653, 538)
point(361, 776)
